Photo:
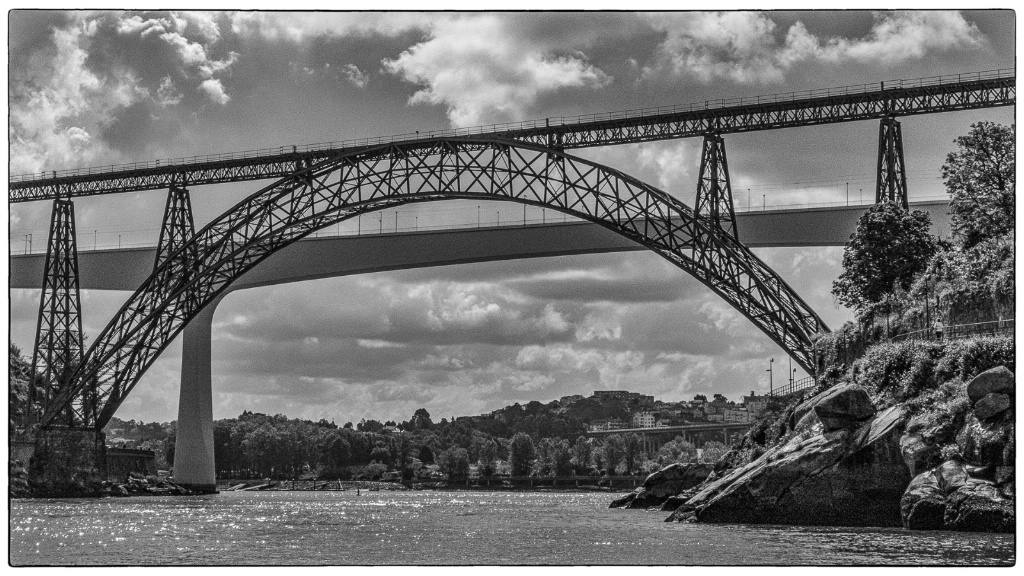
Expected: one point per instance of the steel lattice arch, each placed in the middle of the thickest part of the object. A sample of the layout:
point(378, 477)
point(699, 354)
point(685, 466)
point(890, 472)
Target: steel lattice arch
point(344, 187)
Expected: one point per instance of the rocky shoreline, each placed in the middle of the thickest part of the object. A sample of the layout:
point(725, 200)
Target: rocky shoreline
point(840, 461)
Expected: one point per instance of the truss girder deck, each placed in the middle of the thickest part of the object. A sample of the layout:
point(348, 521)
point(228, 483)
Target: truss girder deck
point(348, 185)
point(749, 116)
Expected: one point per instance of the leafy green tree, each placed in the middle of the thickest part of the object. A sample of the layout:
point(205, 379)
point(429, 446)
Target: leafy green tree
point(612, 452)
point(979, 177)
point(421, 420)
point(381, 453)
point(521, 454)
point(677, 450)
point(560, 457)
point(713, 452)
point(888, 249)
point(454, 462)
point(631, 451)
point(487, 455)
point(581, 452)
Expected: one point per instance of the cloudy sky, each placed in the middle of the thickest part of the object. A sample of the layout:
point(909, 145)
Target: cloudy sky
point(96, 88)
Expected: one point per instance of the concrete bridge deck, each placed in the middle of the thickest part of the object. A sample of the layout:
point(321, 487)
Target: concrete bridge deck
point(325, 257)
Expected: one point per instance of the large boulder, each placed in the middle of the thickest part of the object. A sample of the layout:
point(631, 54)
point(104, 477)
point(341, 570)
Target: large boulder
point(952, 497)
point(950, 476)
point(923, 506)
point(988, 442)
point(918, 454)
point(663, 484)
point(669, 481)
point(624, 500)
point(838, 408)
point(991, 405)
point(842, 477)
point(998, 380)
point(977, 506)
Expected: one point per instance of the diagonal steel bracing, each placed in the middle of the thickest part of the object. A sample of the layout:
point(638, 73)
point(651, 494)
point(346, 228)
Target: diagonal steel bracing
point(177, 229)
point(58, 346)
point(891, 183)
point(714, 192)
point(349, 185)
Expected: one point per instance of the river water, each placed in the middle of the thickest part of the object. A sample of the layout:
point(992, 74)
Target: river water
point(266, 528)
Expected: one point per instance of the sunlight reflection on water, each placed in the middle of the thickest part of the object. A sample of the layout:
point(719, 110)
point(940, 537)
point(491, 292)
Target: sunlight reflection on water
point(444, 528)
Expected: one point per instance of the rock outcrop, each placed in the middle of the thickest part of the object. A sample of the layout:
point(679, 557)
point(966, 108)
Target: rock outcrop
point(827, 474)
point(975, 490)
point(842, 463)
point(663, 484)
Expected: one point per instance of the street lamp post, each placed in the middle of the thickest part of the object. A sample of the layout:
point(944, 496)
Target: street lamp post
point(769, 371)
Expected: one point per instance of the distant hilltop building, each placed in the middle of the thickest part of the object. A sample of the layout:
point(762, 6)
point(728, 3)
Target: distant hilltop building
point(644, 420)
point(755, 404)
point(608, 424)
point(570, 400)
point(623, 395)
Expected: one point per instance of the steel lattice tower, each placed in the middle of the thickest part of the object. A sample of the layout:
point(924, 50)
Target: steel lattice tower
point(714, 193)
point(178, 227)
point(892, 173)
point(58, 346)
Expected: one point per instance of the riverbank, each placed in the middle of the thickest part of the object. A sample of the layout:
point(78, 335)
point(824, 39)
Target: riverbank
point(915, 435)
point(369, 485)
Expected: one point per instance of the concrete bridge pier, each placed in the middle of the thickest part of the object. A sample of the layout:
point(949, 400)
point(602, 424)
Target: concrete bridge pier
point(194, 467)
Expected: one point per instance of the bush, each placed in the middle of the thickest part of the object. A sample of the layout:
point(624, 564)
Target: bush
point(895, 372)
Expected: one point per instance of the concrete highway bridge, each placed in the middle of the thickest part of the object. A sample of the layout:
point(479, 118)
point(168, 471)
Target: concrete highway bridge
point(697, 433)
point(316, 187)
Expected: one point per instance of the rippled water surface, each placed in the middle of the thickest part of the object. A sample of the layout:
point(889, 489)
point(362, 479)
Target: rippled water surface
point(444, 528)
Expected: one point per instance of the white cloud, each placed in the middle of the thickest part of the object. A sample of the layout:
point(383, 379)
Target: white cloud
point(482, 71)
point(356, 76)
point(215, 90)
point(295, 27)
point(742, 46)
point(205, 22)
point(167, 94)
point(193, 55)
point(60, 105)
point(136, 25)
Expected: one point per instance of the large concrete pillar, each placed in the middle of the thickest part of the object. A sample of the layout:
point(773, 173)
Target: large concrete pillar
point(193, 449)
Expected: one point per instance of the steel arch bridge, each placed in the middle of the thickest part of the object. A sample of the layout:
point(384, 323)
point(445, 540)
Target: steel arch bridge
point(339, 188)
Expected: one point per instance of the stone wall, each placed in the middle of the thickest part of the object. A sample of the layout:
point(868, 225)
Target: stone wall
point(121, 462)
point(68, 462)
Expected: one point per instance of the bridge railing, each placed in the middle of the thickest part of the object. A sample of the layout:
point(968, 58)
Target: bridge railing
point(795, 386)
point(528, 125)
point(1003, 327)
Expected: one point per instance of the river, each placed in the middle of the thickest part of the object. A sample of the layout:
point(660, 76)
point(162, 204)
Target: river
point(317, 528)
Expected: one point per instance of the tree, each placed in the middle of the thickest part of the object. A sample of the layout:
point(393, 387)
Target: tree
point(979, 177)
point(488, 454)
point(631, 449)
point(612, 452)
point(560, 457)
point(454, 462)
point(521, 454)
point(713, 452)
point(678, 450)
point(890, 247)
point(581, 452)
point(421, 420)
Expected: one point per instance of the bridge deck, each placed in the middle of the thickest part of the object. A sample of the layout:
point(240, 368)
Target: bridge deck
point(310, 259)
point(833, 105)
